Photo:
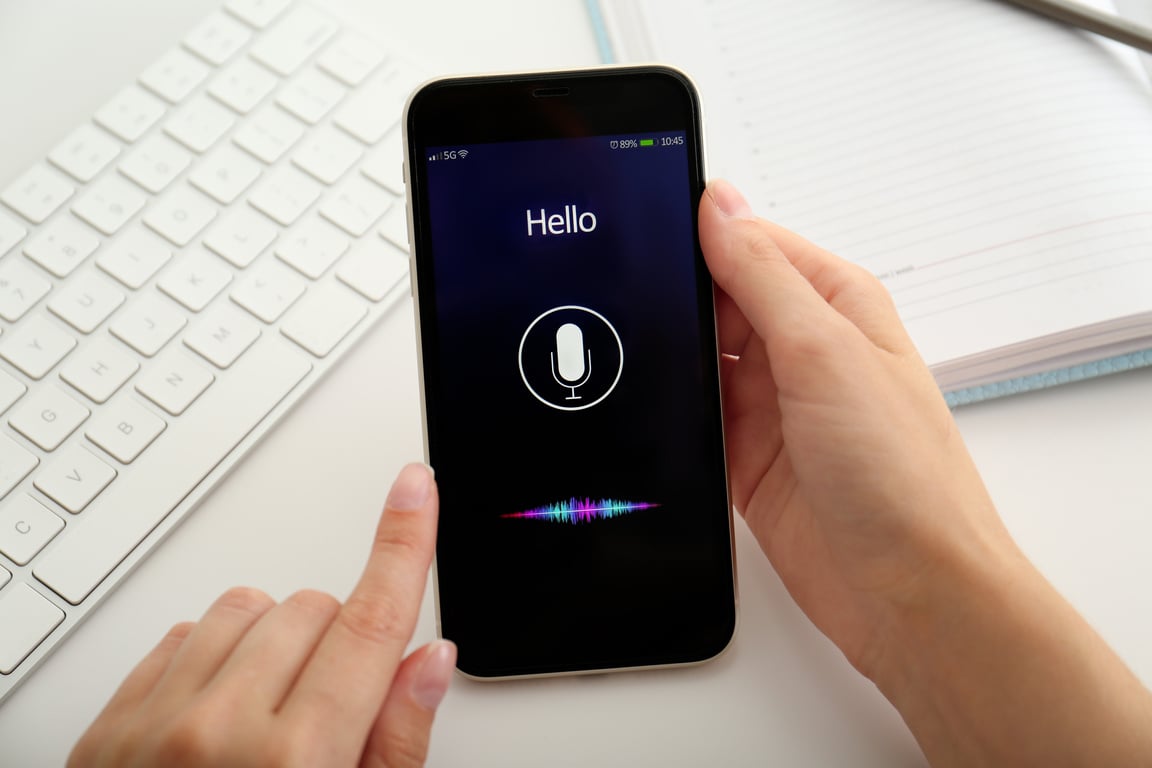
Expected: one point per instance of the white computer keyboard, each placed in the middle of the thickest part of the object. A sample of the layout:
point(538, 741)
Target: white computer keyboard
point(173, 276)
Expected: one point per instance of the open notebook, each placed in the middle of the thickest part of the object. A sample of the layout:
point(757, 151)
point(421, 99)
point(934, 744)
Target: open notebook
point(993, 168)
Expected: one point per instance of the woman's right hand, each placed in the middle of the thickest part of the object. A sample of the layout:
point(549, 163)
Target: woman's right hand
point(844, 458)
point(850, 471)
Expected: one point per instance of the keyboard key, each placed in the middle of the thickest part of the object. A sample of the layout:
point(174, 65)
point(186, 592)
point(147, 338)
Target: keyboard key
point(222, 335)
point(37, 193)
point(268, 134)
point(11, 390)
point(85, 302)
point(269, 290)
point(85, 152)
point(15, 464)
point(130, 113)
point(35, 346)
point(180, 215)
point(200, 124)
point(285, 194)
point(311, 95)
point(11, 232)
point(312, 247)
point(109, 204)
point(384, 164)
point(258, 13)
point(62, 246)
point(99, 369)
point(175, 75)
point(243, 85)
point(195, 279)
point(134, 257)
point(327, 154)
point(322, 318)
point(26, 526)
point(156, 163)
point(169, 470)
point(148, 324)
point(351, 59)
point(74, 478)
point(225, 174)
point(174, 381)
point(364, 117)
point(394, 227)
point(241, 236)
point(217, 38)
point(124, 429)
point(21, 286)
point(298, 35)
point(27, 618)
point(373, 268)
point(47, 417)
point(356, 205)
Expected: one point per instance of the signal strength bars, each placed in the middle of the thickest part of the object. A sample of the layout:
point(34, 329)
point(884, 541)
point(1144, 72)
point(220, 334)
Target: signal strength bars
point(448, 154)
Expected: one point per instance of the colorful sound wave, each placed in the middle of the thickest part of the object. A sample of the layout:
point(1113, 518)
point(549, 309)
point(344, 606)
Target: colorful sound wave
point(575, 511)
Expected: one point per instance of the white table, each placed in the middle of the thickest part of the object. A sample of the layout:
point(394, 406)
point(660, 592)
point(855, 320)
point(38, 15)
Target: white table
point(1068, 467)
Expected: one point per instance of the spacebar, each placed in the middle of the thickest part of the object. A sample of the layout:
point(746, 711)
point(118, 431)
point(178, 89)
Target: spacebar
point(170, 469)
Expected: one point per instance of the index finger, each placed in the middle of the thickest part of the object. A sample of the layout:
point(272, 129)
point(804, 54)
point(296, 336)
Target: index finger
point(732, 329)
point(351, 670)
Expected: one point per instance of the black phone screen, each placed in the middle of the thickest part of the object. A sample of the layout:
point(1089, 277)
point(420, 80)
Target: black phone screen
point(571, 391)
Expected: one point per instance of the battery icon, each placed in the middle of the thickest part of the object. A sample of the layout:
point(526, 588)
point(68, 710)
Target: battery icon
point(647, 142)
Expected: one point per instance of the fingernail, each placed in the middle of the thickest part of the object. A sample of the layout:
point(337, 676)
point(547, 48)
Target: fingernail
point(411, 488)
point(729, 200)
point(435, 675)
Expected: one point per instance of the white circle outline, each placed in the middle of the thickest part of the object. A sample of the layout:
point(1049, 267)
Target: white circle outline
point(520, 358)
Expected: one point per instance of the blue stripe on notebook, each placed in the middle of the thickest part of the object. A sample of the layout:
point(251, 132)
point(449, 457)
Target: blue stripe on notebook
point(1049, 378)
point(601, 32)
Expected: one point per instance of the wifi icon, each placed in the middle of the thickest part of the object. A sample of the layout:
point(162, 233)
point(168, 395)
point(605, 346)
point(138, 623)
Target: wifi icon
point(462, 153)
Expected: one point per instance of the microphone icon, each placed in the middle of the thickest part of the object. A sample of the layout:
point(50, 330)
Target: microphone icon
point(568, 361)
point(556, 349)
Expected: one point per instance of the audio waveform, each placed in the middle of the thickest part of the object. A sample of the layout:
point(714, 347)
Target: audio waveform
point(575, 511)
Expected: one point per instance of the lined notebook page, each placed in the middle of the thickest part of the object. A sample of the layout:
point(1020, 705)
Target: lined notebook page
point(994, 169)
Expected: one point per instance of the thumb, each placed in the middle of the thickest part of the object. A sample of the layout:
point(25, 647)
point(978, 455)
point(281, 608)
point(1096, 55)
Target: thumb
point(781, 281)
point(749, 266)
point(400, 736)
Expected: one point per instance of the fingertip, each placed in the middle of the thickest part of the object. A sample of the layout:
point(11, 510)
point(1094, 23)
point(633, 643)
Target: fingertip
point(727, 222)
point(412, 487)
point(431, 681)
point(179, 632)
point(728, 200)
point(404, 723)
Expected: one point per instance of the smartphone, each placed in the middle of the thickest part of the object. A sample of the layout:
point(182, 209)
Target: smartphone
point(569, 371)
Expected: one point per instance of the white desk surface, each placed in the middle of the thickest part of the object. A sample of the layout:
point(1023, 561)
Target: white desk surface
point(1068, 468)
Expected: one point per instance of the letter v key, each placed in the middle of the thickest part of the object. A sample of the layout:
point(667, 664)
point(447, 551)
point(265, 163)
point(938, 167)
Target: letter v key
point(74, 478)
